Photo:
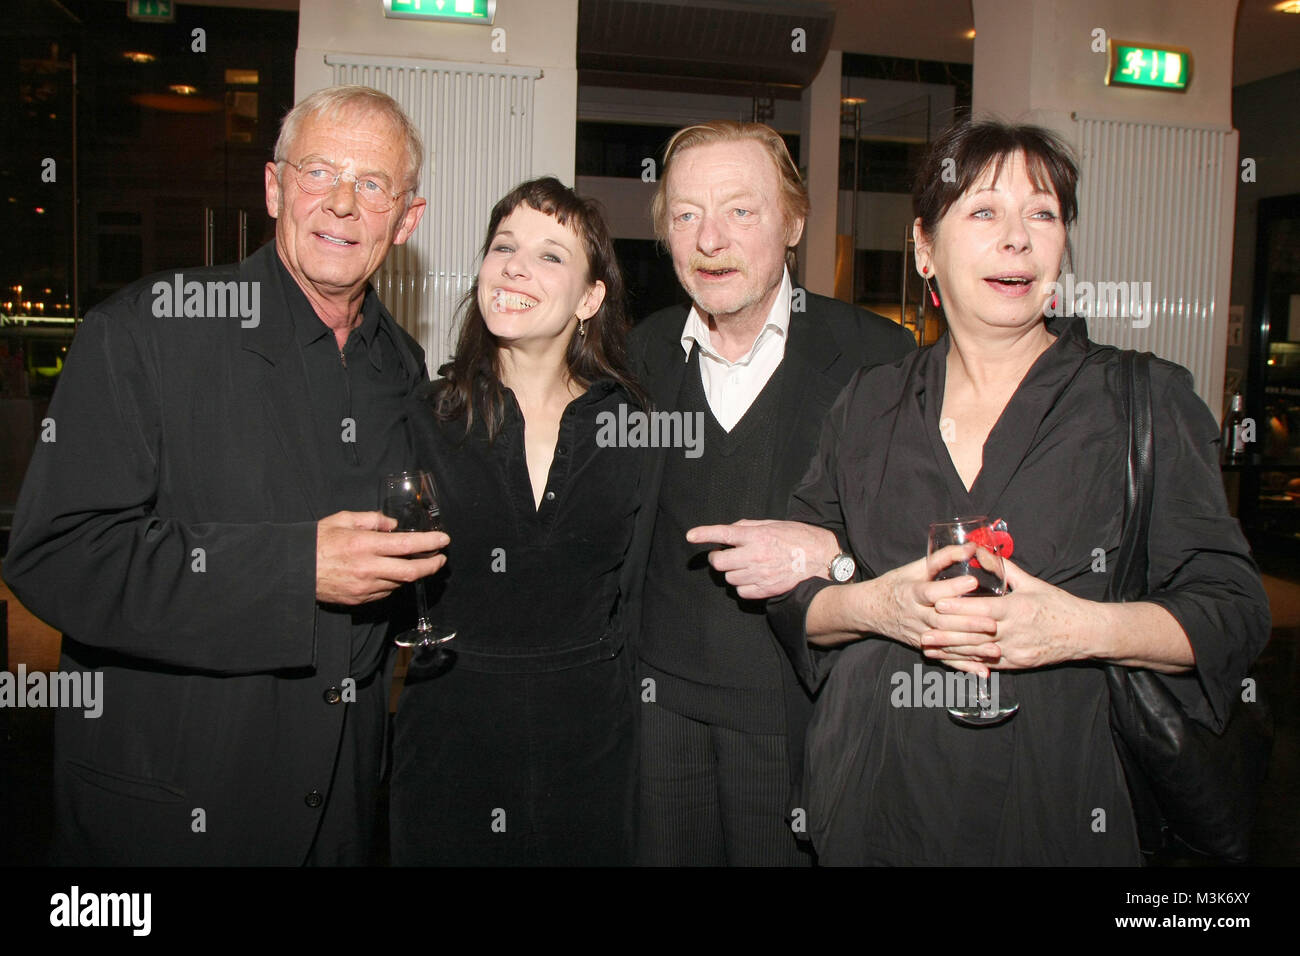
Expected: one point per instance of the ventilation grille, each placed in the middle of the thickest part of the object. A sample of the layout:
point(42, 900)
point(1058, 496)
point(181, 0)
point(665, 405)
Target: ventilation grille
point(477, 125)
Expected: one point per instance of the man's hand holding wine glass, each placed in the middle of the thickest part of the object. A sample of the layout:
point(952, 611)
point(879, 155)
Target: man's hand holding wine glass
point(360, 559)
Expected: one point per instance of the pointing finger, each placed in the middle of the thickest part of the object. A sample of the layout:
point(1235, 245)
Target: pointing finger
point(715, 534)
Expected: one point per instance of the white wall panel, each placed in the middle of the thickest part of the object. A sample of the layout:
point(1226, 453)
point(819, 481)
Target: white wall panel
point(1155, 206)
point(477, 124)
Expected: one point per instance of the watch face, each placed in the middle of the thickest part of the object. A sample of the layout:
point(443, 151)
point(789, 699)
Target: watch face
point(842, 567)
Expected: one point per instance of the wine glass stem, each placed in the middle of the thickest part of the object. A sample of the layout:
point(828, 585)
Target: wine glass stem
point(982, 689)
point(423, 623)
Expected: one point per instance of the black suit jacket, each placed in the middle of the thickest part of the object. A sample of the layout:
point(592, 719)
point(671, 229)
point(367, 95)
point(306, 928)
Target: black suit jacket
point(178, 434)
point(827, 343)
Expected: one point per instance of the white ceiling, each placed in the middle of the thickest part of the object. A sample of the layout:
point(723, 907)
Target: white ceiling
point(911, 29)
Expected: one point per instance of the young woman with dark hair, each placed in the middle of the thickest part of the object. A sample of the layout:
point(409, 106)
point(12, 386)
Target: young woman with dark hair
point(516, 748)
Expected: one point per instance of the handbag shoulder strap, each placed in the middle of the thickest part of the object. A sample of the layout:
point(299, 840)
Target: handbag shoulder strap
point(1130, 581)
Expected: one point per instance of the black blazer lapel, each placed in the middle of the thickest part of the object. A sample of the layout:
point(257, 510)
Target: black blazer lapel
point(664, 366)
point(808, 392)
point(659, 365)
point(662, 369)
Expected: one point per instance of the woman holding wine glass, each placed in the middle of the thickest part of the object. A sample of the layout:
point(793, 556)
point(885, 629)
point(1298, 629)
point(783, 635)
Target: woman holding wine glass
point(1015, 416)
point(514, 740)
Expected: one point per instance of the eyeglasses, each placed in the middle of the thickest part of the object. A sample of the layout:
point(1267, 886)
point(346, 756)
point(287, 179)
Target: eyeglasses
point(317, 177)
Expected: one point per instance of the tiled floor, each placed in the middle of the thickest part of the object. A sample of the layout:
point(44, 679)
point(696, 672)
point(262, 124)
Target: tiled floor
point(26, 735)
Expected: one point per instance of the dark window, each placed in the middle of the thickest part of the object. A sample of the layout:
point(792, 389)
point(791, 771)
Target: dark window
point(120, 259)
point(879, 273)
point(112, 218)
point(883, 167)
point(621, 149)
point(649, 276)
point(960, 76)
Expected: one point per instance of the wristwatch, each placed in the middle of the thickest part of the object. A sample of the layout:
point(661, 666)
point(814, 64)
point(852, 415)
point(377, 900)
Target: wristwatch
point(842, 567)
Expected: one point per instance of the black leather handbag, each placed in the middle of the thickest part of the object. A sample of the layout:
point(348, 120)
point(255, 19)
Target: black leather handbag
point(1191, 789)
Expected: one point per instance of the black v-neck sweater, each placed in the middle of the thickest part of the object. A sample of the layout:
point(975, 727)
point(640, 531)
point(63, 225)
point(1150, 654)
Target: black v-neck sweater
point(711, 653)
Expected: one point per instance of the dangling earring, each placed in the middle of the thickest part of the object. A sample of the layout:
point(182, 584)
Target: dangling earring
point(582, 328)
point(934, 296)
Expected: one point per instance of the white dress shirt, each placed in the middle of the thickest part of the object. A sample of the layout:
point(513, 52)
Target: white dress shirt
point(731, 387)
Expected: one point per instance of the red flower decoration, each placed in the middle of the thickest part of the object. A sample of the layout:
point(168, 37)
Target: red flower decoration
point(995, 538)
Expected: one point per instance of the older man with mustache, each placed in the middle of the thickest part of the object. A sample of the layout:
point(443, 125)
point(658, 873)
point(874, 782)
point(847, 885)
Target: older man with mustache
point(723, 716)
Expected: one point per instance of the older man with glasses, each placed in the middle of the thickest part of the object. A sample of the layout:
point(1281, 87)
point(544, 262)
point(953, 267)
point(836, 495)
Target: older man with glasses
point(203, 532)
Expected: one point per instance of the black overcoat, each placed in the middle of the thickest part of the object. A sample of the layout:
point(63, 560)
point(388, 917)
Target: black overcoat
point(168, 528)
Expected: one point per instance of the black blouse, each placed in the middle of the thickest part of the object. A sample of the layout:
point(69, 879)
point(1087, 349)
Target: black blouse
point(896, 784)
point(530, 588)
point(532, 720)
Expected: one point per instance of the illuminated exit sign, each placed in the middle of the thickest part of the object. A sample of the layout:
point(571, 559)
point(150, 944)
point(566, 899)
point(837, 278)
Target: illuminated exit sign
point(161, 11)
point(1150, 67)
point(451, 11)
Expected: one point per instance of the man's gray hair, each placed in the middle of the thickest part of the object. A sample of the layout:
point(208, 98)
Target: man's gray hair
point(338, 102)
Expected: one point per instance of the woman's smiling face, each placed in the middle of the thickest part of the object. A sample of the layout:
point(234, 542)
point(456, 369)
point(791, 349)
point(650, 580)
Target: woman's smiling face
point(998, 250)
point(533, 284)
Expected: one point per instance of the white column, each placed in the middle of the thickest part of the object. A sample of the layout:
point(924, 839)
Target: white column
point(819, 157)
point(531, 34)
point(1157, 188)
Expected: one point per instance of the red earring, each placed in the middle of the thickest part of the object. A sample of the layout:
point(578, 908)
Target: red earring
point(934, 296)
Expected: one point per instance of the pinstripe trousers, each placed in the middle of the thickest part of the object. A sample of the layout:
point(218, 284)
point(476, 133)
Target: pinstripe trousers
point(712, 796)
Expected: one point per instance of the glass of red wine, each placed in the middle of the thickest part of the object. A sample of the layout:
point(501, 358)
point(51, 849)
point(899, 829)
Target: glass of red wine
point(409, 497)
point(993, 701)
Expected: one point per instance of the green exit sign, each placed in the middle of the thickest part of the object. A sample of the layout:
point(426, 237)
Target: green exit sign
point(1150, 67)
point(453, 11)
point(162, 11)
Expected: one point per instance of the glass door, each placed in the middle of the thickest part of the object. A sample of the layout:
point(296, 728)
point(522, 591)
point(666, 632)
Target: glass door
point(1272, 477)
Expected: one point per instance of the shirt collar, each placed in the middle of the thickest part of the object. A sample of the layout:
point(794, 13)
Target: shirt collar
point(308, 327)
point(696, 331)
point(598, 392)
point(366, 334)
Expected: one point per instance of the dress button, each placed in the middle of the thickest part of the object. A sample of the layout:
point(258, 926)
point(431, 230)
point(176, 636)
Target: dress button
point(550, 496)
point(332, 696)
point(313, 799)
point(562, 450)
